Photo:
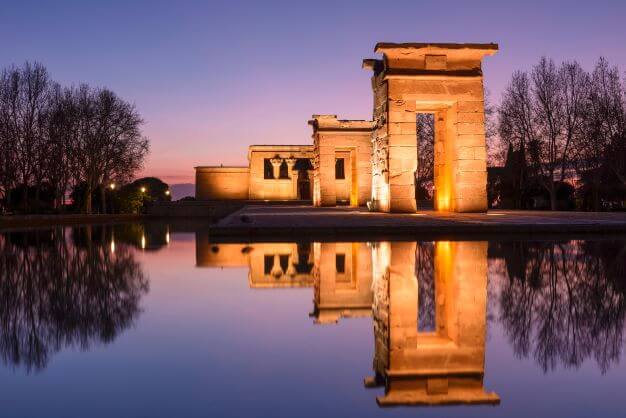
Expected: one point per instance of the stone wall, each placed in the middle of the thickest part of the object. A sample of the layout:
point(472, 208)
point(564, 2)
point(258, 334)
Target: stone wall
point(379, 137)
point(347, 139)
point(345, 292)
point(222, 183)
point(444, 79)
point(276, 188)
point(433, 367)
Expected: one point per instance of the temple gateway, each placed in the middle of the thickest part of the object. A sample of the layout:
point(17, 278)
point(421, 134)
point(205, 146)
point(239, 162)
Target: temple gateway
point(374, 163)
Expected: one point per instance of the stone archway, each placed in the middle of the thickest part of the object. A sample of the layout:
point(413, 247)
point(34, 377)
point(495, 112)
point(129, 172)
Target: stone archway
point(443, 79)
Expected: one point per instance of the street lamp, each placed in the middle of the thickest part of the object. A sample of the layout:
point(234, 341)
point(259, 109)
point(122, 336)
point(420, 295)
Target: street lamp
point(112, 186)
point(167, 193)
point(143, 190)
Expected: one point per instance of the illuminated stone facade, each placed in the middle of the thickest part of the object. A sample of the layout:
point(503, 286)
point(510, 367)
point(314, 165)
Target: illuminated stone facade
point(427, 300)
point(270, 265)
point(359, 161)
point(275, 172)
point(343, 281)
point(443, 79)
point(347, 142)
point(436, 362)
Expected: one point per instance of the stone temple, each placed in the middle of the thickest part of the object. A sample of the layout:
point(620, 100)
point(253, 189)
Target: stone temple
point(358, 162)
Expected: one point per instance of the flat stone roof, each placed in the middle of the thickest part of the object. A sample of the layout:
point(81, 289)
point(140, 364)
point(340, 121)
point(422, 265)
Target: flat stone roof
point(440, 45)
point(331, 123)
point(222, 168)
point(265, 147)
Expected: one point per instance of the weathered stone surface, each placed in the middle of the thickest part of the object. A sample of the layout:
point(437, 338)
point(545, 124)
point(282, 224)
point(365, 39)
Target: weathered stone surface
point(445, 79)
point(349, 140)
point(444, 366)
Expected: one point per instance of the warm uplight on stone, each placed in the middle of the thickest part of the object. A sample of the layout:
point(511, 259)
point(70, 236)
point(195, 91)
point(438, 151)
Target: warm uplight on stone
point(353, 161)
point(444, 365)
point(350, 141)
point(443, 79)
point(343, 281)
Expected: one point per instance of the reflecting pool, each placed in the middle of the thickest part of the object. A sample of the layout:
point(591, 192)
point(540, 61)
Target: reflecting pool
point(159, 320)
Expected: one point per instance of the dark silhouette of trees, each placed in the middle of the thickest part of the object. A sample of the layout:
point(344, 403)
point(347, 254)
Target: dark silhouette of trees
point(64, 136)
point(57, 293)
point(564, 123)
point(564, 302)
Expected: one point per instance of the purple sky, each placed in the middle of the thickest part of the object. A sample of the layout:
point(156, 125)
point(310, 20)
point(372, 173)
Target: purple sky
point(212, 77)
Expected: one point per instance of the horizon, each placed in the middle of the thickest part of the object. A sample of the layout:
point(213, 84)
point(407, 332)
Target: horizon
point(224, 76)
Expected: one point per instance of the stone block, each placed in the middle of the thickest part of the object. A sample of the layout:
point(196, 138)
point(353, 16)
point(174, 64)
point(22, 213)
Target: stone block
point(476, 117)
point(403, 128)
point(470, 165)
point(471, 106)
point(401, 116)
point(470, 128)
point(402, 205)
point(469, 140)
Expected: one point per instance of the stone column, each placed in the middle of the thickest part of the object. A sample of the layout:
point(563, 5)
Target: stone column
point(291, 162)
point(276, 162)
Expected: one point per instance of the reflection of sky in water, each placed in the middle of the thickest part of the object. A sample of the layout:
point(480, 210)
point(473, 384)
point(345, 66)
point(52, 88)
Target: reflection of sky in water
point(206, 343)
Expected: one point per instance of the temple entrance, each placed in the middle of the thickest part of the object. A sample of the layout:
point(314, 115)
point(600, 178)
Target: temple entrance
point(304, 185)
point(424, 175)
point(445, 82)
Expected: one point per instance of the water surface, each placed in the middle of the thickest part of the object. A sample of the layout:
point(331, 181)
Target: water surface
point(151, 320)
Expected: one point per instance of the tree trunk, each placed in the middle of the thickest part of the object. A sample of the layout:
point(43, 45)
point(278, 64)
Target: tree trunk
point(88, 193)
point(596, 193)
point(37, 205)
point(24, 197)
point(103, 199)
point(552, 196)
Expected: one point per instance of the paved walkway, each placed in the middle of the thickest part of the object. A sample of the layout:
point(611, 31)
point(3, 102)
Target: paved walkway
point(307, 221)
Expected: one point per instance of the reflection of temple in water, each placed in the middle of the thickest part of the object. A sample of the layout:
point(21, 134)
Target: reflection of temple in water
point(340, 273)
point(439, 360)
point(343, 281)
point(270, 265)
point(428, 301)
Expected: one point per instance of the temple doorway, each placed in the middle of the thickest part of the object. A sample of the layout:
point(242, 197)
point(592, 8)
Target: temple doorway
point(304, 185)
point(424, 175)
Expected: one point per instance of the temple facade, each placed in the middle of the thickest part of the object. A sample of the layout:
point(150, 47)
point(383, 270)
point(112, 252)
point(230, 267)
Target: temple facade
point(356, 162)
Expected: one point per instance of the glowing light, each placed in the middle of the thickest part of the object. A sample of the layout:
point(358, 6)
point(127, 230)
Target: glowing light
point(112, 247)
point(167, 193)
point(495, 214)
point(112, 186)
point(167, 237)
point(143, 242)
point(143, 190)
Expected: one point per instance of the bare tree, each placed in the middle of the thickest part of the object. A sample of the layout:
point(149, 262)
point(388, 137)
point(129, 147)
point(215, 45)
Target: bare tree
point(7, 144)
point(516, 125)
point(64, 136)
point(124, 148)
point(548, 150)
point(604, 126)
point(28, 95)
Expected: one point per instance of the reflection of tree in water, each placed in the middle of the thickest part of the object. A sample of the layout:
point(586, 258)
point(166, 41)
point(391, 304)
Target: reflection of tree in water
point(564, 302)
point(55, 294)
point(425, 273)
